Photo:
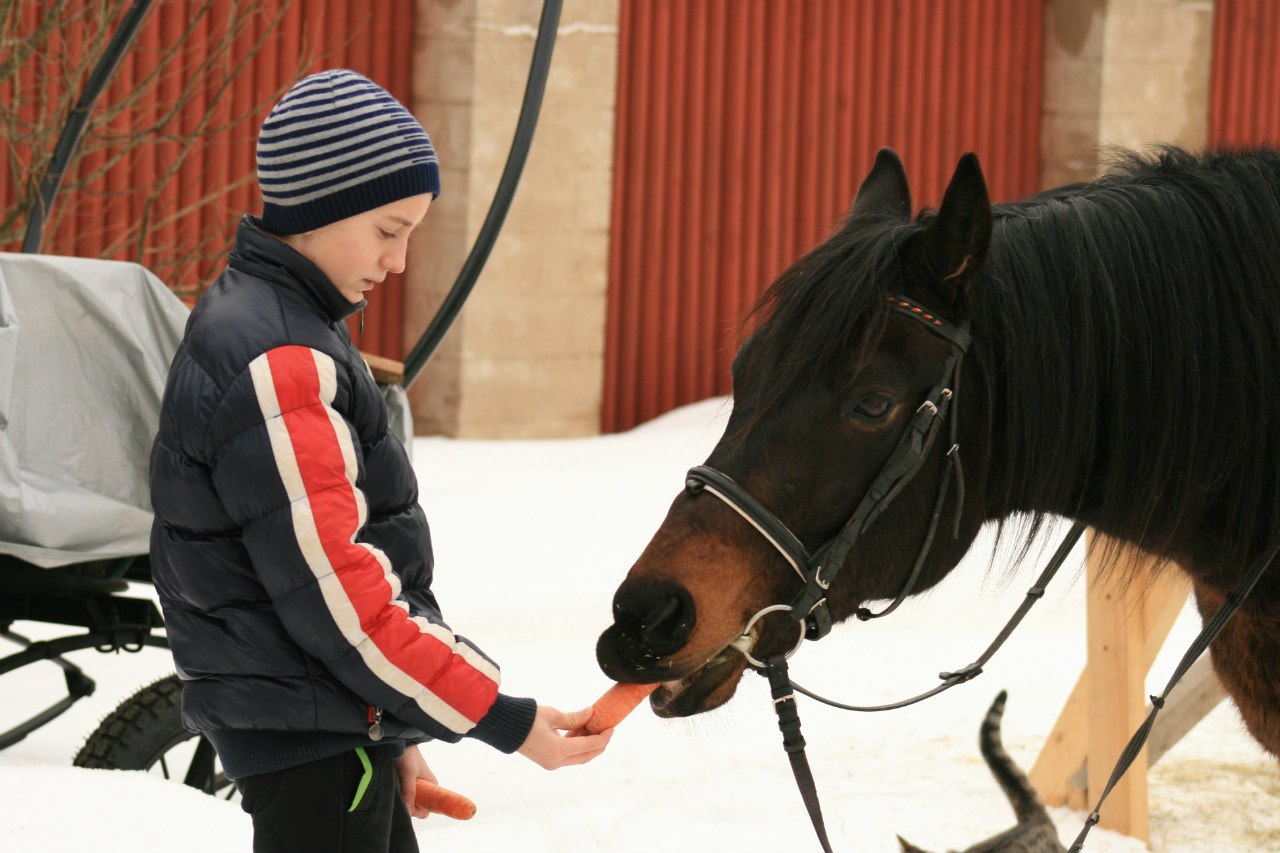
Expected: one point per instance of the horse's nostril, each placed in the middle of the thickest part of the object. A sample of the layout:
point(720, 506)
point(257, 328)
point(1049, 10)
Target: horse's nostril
point(661, 621)
point(658, 616)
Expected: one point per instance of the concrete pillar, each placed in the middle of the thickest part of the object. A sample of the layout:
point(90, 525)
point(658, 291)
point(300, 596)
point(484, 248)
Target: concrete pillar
point(1122, 72)
point(525, 359)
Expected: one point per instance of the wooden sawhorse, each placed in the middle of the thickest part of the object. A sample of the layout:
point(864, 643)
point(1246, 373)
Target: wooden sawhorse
point(1126, 628)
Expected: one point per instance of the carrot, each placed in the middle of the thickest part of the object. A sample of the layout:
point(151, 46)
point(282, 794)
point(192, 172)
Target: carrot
point(613, 707)
point(443, 801)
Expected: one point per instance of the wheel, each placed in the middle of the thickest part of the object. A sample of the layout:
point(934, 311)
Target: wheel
point(146, 733)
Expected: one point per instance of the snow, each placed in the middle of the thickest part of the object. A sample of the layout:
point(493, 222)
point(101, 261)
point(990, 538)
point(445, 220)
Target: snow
point(531, 538)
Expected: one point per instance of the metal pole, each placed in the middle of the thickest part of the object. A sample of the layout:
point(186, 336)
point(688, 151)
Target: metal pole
point(435, 332)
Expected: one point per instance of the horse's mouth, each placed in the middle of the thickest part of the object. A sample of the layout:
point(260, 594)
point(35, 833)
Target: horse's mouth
point(707, 687)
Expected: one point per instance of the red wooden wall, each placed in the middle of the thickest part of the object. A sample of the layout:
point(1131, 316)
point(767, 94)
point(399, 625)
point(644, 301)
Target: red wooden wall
point(744, 128)
point(1244, 97)
point(204, 192)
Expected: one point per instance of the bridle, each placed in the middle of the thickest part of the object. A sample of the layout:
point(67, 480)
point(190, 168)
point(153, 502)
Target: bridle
point(818, 569)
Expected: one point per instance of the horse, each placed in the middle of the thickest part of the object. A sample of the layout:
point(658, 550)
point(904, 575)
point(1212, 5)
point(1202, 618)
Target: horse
point(1120, 344)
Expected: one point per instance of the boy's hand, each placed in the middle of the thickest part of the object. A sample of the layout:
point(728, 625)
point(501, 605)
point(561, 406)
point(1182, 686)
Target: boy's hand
point(411, 767)
point(547, 747)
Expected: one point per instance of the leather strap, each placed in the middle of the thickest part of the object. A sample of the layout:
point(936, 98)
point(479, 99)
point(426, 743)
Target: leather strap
point(784, 703)
point(973, 670)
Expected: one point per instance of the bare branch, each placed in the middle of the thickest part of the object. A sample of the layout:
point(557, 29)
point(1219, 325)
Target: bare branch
point(40, 81)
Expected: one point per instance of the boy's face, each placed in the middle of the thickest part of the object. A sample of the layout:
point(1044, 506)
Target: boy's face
point(356, 253)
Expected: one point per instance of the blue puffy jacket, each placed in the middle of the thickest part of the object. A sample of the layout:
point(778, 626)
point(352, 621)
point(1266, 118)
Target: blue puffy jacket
point(291, 557)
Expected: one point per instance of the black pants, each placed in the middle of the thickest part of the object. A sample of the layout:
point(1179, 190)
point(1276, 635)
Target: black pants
point(307, 808)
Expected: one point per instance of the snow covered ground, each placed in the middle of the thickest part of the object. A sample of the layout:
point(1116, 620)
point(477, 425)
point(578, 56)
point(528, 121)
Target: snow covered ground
point(531, 540)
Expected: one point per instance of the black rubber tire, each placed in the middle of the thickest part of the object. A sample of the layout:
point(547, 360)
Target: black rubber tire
point(145, 732)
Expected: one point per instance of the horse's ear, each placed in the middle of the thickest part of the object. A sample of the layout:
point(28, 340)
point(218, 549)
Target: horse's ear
point(885, 191)
point(958, 237)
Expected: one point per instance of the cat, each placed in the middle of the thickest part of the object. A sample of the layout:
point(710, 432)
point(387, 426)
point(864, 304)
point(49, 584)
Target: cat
point(1034, 832)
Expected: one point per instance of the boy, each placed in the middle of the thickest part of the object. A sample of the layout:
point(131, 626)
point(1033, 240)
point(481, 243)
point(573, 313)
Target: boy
point(290, 554)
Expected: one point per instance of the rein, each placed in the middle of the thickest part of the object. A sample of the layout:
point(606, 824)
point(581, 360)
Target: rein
point(817, 570)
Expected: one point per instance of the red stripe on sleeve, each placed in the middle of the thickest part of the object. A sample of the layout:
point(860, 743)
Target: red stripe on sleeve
point(317, 448)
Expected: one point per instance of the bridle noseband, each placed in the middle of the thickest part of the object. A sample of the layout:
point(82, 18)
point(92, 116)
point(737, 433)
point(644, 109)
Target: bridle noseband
point(818, 569)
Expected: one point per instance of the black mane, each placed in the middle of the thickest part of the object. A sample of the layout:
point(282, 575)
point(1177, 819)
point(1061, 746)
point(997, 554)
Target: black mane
point(1126, 332)
point(825, 314)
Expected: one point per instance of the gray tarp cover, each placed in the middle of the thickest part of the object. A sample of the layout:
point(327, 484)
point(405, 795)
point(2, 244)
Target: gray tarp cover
point(84, 349)
point(85, 346)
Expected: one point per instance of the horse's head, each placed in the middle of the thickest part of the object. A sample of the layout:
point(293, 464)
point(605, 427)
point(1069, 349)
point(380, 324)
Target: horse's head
point(824, 391)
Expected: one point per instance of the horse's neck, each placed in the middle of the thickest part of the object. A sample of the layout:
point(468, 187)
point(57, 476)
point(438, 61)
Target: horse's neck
point(1123, 367)
point(1041, 391)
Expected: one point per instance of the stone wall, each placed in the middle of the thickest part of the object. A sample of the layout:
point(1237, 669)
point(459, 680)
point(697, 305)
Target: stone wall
point(1122, 72)
point(525, 357)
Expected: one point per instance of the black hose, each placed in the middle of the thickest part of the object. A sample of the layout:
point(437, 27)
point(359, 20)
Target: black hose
point(74, 129)
point(435, 332)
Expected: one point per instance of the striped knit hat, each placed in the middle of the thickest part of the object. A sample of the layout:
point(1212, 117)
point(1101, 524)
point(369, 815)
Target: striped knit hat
point(336, 145)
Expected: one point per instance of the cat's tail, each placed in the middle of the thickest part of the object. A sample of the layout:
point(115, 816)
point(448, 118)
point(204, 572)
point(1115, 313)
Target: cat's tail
point(1017, 788)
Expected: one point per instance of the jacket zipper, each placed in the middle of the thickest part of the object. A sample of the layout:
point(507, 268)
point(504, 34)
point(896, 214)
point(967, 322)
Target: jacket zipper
point(375, 720)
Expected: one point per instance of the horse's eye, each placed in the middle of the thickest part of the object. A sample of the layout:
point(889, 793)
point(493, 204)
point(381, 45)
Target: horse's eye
point(873, 407)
